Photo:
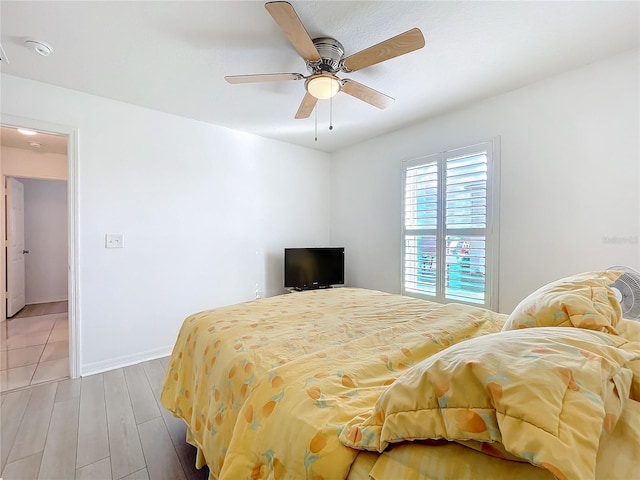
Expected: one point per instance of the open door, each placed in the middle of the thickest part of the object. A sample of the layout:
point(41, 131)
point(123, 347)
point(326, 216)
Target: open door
point(16, 297)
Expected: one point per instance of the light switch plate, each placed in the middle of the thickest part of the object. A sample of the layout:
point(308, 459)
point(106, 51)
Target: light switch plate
point(113, 240)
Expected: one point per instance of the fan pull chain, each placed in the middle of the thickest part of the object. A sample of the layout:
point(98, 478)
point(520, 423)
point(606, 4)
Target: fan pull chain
point(331, 113)
point(315, 111)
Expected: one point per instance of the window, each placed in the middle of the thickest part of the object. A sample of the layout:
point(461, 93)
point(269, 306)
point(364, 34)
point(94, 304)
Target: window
point(450, 225)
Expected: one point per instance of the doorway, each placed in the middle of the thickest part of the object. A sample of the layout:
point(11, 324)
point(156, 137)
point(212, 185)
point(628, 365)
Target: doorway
point(35, 340)
point(55, 313)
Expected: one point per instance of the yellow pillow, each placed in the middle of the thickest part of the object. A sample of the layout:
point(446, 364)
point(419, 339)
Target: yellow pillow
point(545, 394)
point(584, 301)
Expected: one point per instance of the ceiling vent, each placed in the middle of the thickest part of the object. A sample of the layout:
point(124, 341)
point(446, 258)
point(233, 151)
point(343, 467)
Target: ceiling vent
point(39, 47)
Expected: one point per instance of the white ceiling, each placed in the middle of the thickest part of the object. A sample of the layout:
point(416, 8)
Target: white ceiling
point(172, 56)
point(39, 143)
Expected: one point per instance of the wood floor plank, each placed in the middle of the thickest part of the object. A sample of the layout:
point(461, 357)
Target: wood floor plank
point(144, 404)
point(86, 429)
point(32, 433)
point(124, 442)
point(93, 438)
point(165, 362)
point(162, 460)
point(11, 413)
point(23, 469)
point(139, 475)
point(59, 457)
point(68, 389)
point(154, 369)
point(186, 453)
point(38, 309)
point(100, 470)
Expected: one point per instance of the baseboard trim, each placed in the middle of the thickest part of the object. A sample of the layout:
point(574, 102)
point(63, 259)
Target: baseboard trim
point(124, 361)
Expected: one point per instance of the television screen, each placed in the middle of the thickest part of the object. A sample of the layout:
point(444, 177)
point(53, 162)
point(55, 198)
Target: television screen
point(309, 268)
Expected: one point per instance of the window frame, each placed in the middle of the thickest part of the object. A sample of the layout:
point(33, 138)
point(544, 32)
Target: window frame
point(491, 231)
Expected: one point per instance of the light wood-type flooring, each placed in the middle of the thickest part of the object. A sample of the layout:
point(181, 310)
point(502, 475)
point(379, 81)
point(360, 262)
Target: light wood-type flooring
point(105, 426)
point(34, 346)
point(37, 309)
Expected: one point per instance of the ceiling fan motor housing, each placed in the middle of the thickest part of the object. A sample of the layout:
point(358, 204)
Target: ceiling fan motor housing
point(331, 52)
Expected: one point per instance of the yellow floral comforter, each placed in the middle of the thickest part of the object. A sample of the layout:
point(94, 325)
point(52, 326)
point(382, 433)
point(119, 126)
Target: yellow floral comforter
point(266, 387)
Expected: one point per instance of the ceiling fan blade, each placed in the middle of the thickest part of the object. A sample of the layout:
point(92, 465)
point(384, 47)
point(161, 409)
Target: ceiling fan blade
point(266, 77)
point(307, 106)
point(366, 94)
point(286, 17)
point(393, 47)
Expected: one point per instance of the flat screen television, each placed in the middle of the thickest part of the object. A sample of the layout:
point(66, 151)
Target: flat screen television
point(310, 268)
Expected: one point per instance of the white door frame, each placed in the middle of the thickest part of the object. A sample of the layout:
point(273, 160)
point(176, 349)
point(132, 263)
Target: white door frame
point(72, 225)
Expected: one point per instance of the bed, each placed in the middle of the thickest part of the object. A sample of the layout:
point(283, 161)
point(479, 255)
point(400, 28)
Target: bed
point(322, 385)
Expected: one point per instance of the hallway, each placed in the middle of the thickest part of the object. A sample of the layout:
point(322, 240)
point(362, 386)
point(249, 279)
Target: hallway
point(34, 346)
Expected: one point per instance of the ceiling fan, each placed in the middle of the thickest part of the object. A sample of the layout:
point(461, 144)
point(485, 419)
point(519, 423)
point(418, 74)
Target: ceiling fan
point(324, 58)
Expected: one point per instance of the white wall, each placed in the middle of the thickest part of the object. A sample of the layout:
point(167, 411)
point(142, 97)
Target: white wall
point(570, 185)
point(204, 211)
point(20, 162)
point(45, 233)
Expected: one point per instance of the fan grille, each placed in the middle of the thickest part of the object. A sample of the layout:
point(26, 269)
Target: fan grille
point(628, 287)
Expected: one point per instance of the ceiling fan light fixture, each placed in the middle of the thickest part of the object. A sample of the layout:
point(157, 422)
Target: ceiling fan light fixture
point(323, 86)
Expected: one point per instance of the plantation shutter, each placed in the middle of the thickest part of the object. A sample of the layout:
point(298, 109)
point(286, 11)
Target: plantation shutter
point(447, 228)
point(465, 226)
point(421, 223)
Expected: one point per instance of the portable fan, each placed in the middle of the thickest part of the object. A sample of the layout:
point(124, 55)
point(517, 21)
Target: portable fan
point(627, 291)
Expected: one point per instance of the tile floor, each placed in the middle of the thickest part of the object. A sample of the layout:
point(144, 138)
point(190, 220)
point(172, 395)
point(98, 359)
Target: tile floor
point(33, 350)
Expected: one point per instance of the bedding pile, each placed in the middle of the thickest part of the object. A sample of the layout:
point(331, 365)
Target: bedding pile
point(541, 395)
point(533, 392)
